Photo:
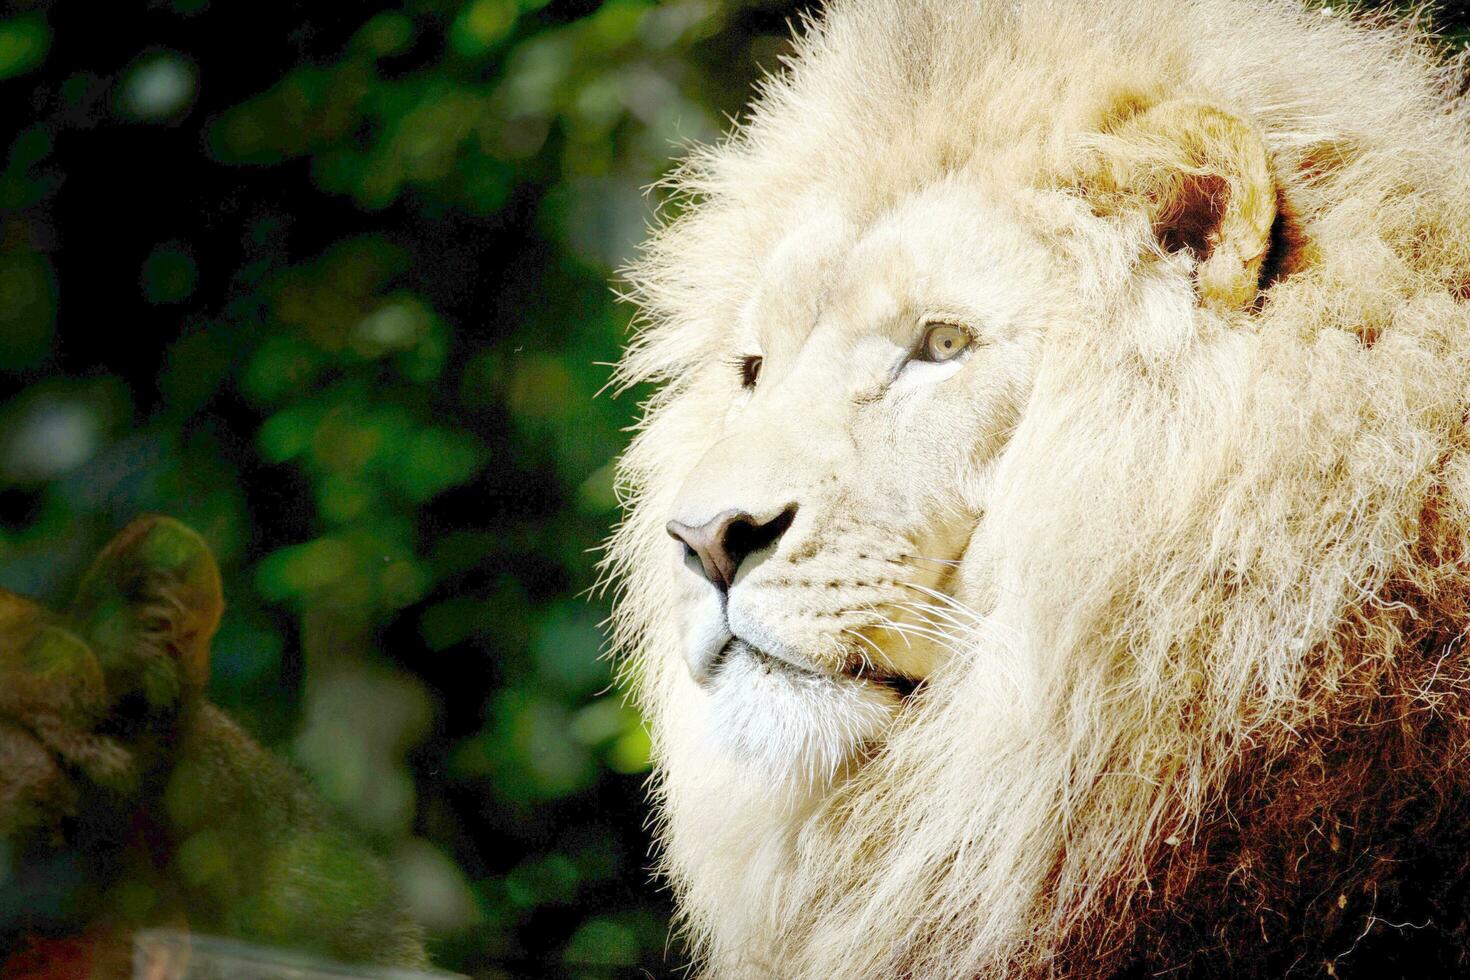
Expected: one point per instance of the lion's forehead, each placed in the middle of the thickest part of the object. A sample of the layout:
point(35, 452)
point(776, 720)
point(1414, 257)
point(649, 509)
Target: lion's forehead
point(946, 251)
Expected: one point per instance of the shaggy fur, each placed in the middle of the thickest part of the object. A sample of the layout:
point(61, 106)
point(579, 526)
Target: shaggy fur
point(1214, 716)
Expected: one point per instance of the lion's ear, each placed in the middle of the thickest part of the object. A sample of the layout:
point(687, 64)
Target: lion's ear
point(1202, 177)
point(150, 605)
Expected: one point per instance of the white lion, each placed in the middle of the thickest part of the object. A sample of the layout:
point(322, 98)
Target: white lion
point(1046, 551)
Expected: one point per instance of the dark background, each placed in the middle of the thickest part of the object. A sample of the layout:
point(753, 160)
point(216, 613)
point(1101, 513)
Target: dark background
point(329, 282)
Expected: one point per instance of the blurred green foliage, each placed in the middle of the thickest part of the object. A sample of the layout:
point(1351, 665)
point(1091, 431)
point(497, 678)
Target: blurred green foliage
point(330, 285)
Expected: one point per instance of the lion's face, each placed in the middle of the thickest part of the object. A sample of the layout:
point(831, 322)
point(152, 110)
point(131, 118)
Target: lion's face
point(863, 397)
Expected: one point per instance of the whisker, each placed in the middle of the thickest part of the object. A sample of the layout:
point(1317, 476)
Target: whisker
point(943, 598)
point(931, 612)
point(969, 622)
point(885, 621)
point(868, 640)
point(920, 631)
point(871, 609)
point(946, 641)
point(950, 562)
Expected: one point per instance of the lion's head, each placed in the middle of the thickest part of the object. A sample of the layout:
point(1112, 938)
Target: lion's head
point(1061, 426)
point(824, 537)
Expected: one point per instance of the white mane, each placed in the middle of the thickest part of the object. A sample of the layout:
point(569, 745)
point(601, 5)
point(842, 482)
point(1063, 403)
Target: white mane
point(1204, 533)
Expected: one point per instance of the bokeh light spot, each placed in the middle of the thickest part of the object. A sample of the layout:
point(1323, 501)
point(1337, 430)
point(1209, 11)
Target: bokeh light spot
point(481, 24)
point(23, 44)
point(157, 87)
point(169, 274)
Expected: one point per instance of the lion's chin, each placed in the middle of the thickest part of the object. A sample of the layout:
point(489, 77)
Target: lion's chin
point(790, 726)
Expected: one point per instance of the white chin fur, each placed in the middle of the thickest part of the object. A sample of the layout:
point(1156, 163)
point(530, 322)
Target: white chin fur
point(792, 728)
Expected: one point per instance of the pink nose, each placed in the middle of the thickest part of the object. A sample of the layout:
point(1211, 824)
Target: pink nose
point(722, 543)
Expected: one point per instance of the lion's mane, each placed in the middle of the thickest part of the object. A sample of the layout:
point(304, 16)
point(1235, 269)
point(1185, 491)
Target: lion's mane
point(1224, 724)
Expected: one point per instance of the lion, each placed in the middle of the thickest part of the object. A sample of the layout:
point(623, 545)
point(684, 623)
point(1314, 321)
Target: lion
point(1046, 546)
point(129, 801)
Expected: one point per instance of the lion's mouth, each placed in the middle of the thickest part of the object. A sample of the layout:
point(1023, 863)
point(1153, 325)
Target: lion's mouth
point(899, 684)
point(902, 686)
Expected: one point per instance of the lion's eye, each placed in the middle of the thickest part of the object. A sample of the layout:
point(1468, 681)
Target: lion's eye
point(750, 371)
point(943, 342)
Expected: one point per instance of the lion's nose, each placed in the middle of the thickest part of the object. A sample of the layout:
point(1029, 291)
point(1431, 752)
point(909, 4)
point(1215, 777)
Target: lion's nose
point(724, 542)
